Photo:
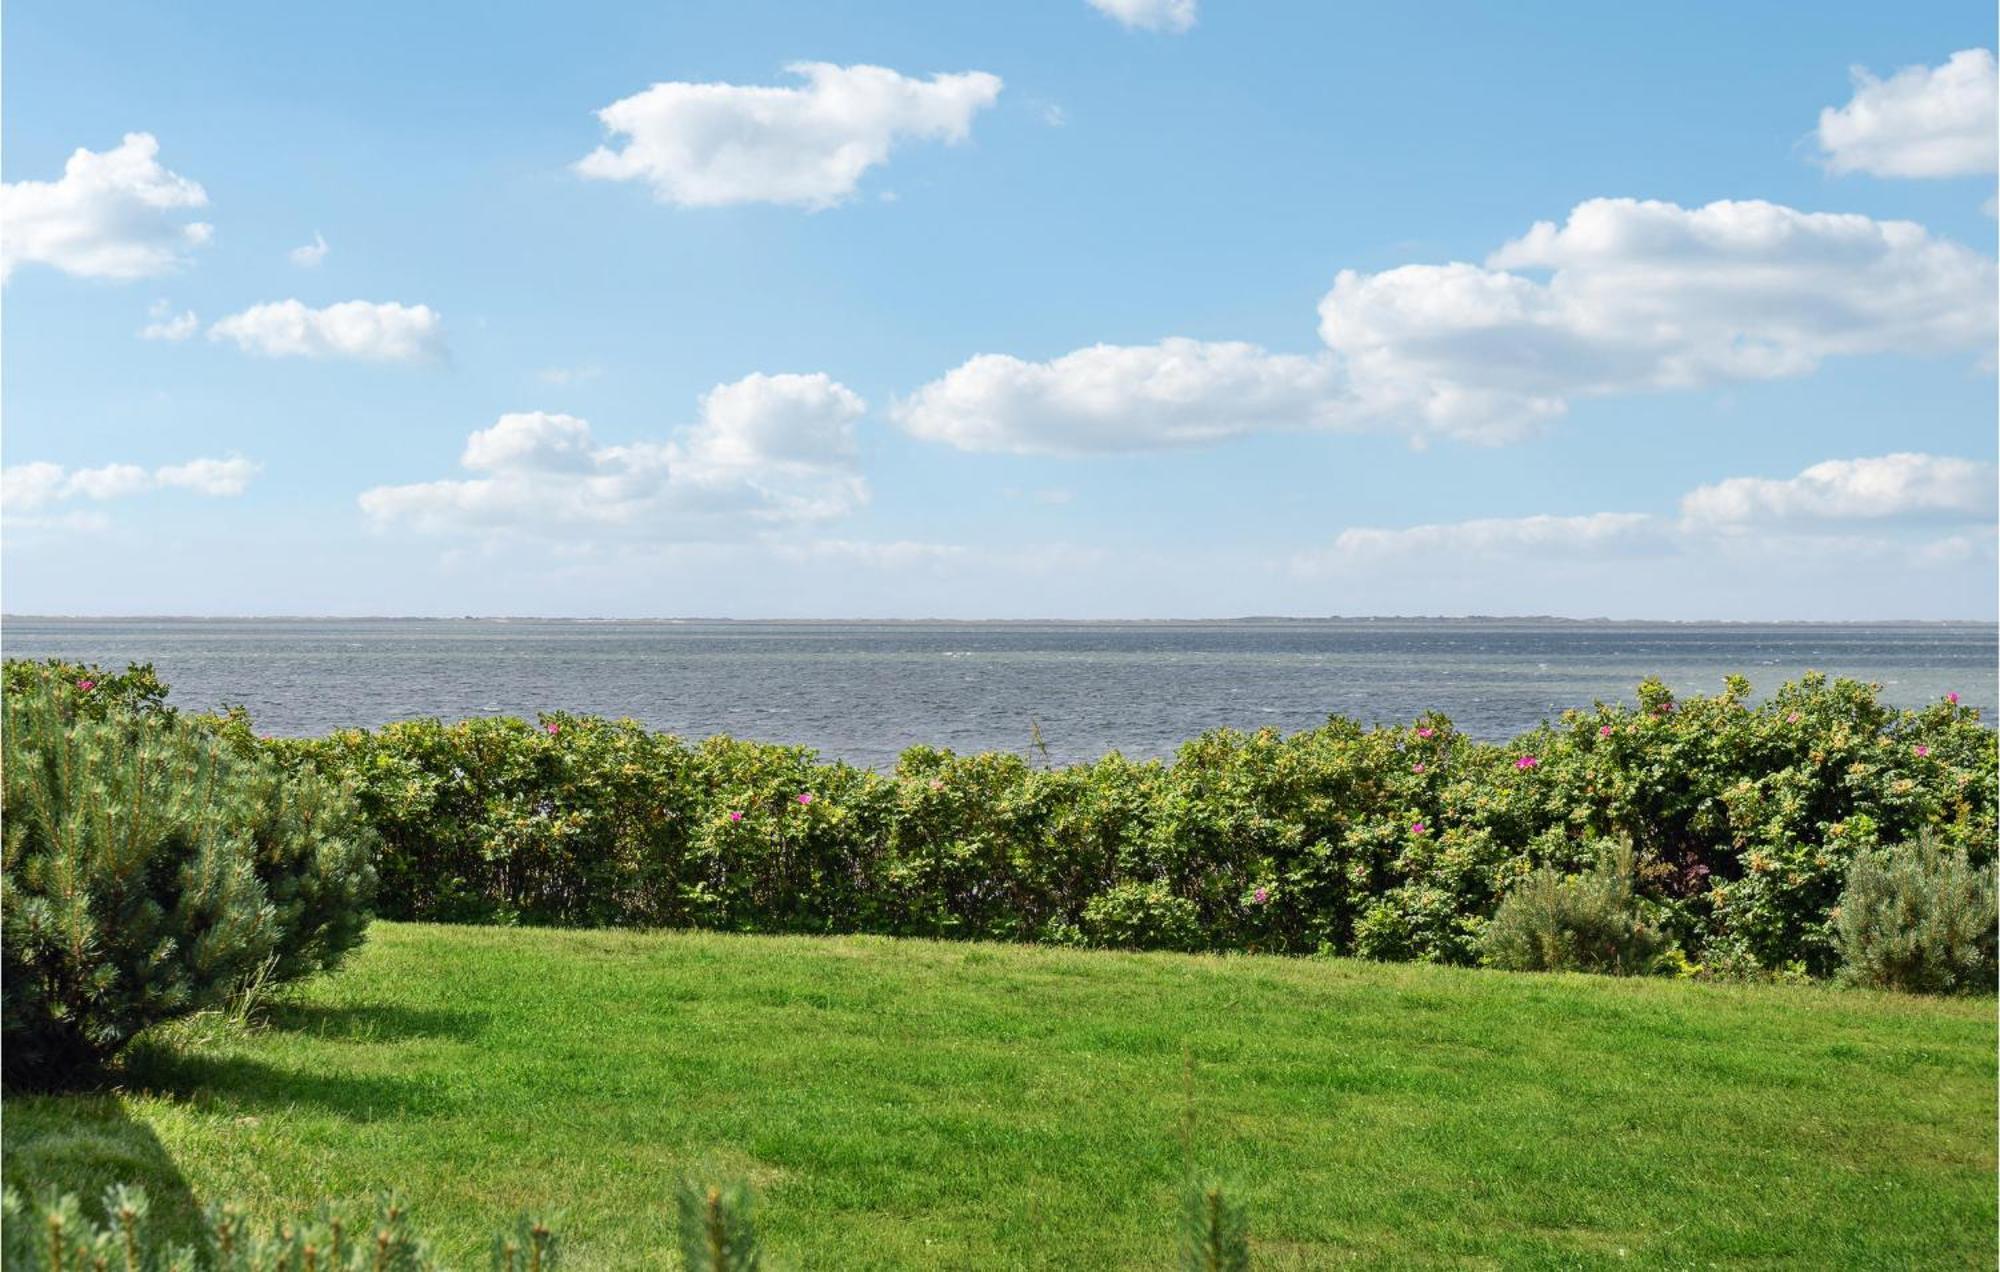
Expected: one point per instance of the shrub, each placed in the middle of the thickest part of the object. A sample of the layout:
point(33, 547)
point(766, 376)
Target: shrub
point(1921, 920)
point(1388, 842)
point(1215, 1232)
point(1142, 916)
point(715, 1230)
point(1552, 922)
point(149, 873)
point(53, 1234)
point(88, 690)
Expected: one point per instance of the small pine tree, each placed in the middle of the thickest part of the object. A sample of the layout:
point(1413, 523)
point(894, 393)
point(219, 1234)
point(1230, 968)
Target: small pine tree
point(53, 1234)
point(1920, 918)
point(1591, 922)
point(1215, 1232)
point(715, 1230)
point(130, 895)
point(148, 873)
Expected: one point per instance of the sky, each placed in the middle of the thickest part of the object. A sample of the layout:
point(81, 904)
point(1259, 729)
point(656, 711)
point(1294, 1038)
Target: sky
point(1046, 308)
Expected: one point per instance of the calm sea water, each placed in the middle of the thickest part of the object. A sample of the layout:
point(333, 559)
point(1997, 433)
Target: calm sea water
point(864, 691)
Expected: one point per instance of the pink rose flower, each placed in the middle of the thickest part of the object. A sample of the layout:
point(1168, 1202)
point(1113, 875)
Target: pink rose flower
point(736, 814)
point(1952, 698)
point(553, 728)
point(1261, 895)
point(1416, 768)
point(1526, 762)
point(1427, 732)
point(1418, 828)
point(1604, 731)
point(1923, 752)
point(806, 798)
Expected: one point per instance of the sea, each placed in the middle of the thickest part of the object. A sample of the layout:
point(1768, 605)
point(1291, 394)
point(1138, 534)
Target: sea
point(864, 691)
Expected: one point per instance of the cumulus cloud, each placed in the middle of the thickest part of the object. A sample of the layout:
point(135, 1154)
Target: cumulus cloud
point(1149, 15)
point(167, 325)
point(113, 214)
point(309, 255)
point(1178, 392)
point(1625, 296)
point(1923, 121)
point(711, 145)
point(33, 487)
point(766, 450)
point(359, 329)
point(1903, 485)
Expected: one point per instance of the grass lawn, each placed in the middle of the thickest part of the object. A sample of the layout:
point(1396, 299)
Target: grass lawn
point(911, 1104)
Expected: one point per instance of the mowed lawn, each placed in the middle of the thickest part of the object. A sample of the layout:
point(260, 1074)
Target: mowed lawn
point(929, 1105)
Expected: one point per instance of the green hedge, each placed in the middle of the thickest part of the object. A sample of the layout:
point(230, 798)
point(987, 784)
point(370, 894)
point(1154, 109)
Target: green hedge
point(1390, 843)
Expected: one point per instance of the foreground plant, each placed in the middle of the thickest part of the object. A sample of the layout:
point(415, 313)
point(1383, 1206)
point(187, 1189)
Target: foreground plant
point(150, 873)
point(1921, 919)
point(52, 1234)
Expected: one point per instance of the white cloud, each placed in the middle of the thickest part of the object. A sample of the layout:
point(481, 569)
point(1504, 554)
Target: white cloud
point(1920, 122)
point(1817, 513)
point(113, 214)
point(309, 255)
point(711, 145)
point(570, 375)
point(1540, 536)
point(1149, 15)
point(1904, 485)
point(1624, 297)
point(766, 450)
point(167, 325)
point(361, 329)
point(1178, 392)
point(31, 487)
point(1644, 296)
point(209, 476)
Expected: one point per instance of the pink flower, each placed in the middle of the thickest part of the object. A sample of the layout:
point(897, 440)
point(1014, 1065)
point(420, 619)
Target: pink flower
point(1604, 731)
point(86, 685)
point(1923, 751)
point(1261, 895)
point(553, 728)
point(1418, 828)
point(806, 798)
point(937, 783)
point(1526, 762)
point(1427, 732)
point(736, 814)
point(1793, 718)
point(1952, 698)
point(1416, 768)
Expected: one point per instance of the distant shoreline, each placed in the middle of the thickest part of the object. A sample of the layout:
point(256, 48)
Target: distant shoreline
point(1250, 620)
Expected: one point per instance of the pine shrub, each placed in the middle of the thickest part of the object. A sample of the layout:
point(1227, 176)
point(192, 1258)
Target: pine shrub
point(51, 1233)
point(1920, 919)
point(715, 1230)
point(148, 874)
point(1215, 1232)
point(1551, 922)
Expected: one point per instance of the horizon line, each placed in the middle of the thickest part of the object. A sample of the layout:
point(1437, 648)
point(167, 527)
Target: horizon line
point(8, 617)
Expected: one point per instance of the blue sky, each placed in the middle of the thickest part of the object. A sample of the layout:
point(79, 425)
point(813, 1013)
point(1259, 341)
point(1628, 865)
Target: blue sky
point(1063, 333)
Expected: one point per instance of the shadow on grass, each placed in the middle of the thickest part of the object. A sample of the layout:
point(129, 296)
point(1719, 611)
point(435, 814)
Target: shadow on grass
point(238, 1084)
point(83, 1144)
point(374, 1022)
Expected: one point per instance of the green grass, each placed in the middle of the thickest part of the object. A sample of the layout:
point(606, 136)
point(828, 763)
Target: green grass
point(912, 1104)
